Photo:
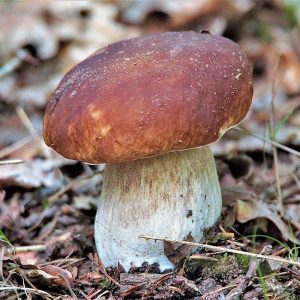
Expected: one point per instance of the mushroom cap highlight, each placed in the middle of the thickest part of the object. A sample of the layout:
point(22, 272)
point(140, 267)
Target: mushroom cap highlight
point(148, 96)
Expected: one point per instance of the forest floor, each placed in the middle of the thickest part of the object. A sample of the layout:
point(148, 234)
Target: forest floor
point(48, 203)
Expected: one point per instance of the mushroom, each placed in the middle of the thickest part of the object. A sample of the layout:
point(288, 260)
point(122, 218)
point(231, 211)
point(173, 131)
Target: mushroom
point(149, 107)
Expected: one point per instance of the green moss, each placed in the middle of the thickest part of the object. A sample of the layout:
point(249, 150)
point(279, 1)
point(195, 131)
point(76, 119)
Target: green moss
point(225, 270)
point(217, 238)
point(290, 10)
point(107, 285)
point(194, 267)
point(263, 31)
point(243, 262)
point(265, 268)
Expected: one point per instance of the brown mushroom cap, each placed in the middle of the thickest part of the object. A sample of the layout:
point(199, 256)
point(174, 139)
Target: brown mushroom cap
point(147, 96)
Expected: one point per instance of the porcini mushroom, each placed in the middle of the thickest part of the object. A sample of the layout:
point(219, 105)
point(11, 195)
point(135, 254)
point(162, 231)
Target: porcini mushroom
point(149, 107)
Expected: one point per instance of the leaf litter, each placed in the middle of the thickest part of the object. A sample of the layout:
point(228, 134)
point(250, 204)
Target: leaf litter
point(47, 205)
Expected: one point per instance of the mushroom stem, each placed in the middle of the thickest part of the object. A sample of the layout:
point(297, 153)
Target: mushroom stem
point(174, 195)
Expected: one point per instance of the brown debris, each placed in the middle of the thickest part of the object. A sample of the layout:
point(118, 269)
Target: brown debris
point(49, 203)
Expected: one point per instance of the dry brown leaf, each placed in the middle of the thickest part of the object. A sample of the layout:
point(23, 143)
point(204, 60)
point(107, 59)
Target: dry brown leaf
point(253, 209)
point(289, 72)
point(33, 173)
point(11, 210)
point(85, 202)
point(41, 26)
point(50, 274)
point(38, 275)
point(27, 258)
point(178, 12)
point(292, 212)
point(91, 278)
point(99, 30)
point(60, 276)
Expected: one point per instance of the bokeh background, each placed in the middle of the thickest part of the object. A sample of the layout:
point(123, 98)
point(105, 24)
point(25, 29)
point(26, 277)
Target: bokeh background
point(50, 201)
point(41, 40)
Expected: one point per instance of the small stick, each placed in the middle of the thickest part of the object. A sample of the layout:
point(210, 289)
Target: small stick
point(276, 144)
point(274, 274)
point(217, 248)
point(33, 248)
point(30, 128)
point(65, 279)
point(14, 63)
point(2, 250)
point(236, 243)
point(76, 182)
point(11, 162)
point(39, 292)
point(62, 262)
point(240, 288)
point(13, 147)
point(101, 268)
point(279, 252)
point(274, 149)
point(26, 121)
point(203, 297)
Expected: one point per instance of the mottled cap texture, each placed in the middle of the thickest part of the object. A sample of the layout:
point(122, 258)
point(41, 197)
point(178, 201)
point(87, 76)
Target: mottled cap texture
point(148, 96)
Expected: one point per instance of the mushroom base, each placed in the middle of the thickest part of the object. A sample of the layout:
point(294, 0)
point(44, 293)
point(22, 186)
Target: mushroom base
point(174, 195)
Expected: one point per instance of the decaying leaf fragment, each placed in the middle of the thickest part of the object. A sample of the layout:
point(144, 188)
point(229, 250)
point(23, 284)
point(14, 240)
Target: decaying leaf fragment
point(253, 209)
point(33, 173)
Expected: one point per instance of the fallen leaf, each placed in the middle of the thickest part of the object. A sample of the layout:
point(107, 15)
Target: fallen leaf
point(59, 276)
point(10, 211)
point(177, 13)
point(23, 24)
point(85, 202)
point(91, 278)
point(253, 209)
point(292, 212)
point(33, 173)
point(27, 258)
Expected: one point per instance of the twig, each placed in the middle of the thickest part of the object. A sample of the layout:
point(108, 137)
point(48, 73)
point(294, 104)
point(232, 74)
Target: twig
point(101, 268)
point(65, 279)
point(274, 274)
point(39, 292)
point(236, 243)
point(17, 296)
point(217, 248)
point(30, 128)
point(54, 197)
point(11, 162)
point(274, 149)
point(83, 294)
point(62, 262)
point(32, 248)
point(296, 179)
point(161, 280)
point(203, 297)
point(102, 294)
point(276, 144)
point(14, 63)
point(24, 278)
point(26, 121)
point(280, 252)
point(66, 259)
point(1, 263)
point(240, 288)
point(94, 294)
point(296, 274)
point(132, 289)
point(72, 184)
point(13, 147)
